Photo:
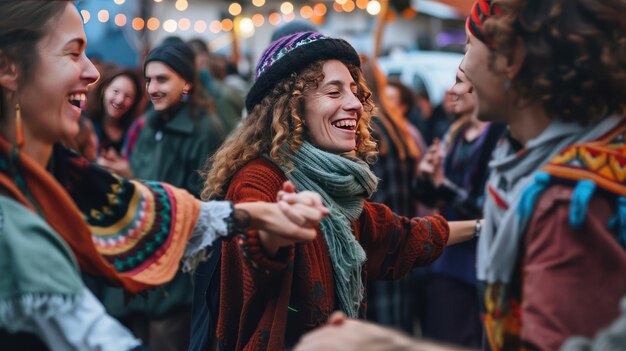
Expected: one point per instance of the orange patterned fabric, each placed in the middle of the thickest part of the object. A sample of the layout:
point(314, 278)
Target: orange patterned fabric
point(47, 197)
point(603, 161)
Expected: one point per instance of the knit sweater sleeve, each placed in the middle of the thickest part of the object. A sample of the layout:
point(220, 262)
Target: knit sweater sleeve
point(395, 244)
point(253, 297)
point(260, 181)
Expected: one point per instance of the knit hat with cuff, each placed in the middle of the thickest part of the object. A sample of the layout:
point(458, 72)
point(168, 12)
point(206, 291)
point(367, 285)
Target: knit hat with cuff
point(177, 56)
point(293, 53)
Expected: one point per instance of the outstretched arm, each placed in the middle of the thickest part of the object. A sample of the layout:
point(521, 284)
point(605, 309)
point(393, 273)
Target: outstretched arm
point(293, 218)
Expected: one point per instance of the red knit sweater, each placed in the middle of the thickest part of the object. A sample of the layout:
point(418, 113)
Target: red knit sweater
point(270, 307)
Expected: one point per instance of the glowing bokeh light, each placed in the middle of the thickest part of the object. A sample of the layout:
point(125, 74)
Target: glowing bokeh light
point(199, 26)
point(138, 23)
point(215, 26)
point(373, 7)
point(258, 19)
point(286, 8)
point(184, 24)
point(120, 19)
point(153, 23)
point(348, 6)
point(181, 5)
point(319, 9)
point(227, 24)
point(103, 16)
point(234, 9)
point(306, 11)
point(274, 18)
point(86, 15)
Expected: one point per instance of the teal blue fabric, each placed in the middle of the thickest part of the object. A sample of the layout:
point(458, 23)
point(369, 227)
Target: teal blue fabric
point(530, 194)
point(39, 272)
point(580, 202)
point(344, 183)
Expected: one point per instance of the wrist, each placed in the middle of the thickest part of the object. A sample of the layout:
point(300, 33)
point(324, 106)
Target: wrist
point(478, 227)
point(240, 220)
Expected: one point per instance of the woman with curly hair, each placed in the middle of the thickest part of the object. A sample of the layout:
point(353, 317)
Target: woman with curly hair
point(60, 215)
point(310, 122)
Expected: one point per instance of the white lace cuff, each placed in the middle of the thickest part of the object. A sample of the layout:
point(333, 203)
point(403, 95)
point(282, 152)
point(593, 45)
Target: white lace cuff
point(211, 225)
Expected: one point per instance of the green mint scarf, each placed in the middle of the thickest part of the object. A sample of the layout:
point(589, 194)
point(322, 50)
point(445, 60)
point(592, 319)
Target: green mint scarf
point(344, 184)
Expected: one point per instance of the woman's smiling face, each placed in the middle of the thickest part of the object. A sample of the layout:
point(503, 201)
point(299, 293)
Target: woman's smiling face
point(332, 110)
point(50, 100)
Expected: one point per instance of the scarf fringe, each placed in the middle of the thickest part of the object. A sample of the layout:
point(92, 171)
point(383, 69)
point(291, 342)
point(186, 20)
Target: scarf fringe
point(15, 312)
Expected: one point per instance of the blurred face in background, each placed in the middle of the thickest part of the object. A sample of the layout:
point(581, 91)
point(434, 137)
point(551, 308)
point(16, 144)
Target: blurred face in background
point(395, 98)
point(119, 97)
point(464, 99)
point(165, 87)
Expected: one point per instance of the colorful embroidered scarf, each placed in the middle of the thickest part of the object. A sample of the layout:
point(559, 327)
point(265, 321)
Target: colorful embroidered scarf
point(501, 238)
point(132, 233)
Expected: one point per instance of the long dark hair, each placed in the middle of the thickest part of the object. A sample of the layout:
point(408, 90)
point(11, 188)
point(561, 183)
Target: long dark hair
point(95, 104)
point(24, 23)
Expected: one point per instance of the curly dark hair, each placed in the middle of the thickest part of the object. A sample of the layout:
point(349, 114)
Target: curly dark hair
point(575, 60)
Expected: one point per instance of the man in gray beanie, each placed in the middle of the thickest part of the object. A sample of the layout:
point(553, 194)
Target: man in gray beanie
point(175, 140)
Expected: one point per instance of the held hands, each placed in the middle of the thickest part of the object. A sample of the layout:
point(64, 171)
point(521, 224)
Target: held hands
point(292, 219)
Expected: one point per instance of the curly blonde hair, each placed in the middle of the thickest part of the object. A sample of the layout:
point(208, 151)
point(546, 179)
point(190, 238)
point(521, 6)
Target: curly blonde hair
point(275, 127)
point(575, 62)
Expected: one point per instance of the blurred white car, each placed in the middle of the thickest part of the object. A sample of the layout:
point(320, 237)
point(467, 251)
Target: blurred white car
point(432, 71)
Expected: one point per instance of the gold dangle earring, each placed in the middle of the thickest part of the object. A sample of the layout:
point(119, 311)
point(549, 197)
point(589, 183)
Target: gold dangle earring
point(19, 132)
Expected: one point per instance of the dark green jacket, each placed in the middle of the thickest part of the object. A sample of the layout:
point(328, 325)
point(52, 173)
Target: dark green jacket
point(172, 154)
point(176, 152)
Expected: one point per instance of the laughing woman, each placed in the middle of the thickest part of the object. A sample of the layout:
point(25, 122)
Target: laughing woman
point(113, 105)
point(59, 214)
point(309, 123)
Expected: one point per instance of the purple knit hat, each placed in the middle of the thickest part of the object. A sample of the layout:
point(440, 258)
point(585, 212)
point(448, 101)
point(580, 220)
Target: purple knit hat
point(293, 53)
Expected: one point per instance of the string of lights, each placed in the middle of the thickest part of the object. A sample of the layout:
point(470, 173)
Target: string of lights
point(246, 19)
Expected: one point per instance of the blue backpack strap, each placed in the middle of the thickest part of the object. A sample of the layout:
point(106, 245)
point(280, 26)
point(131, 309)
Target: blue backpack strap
point(580, 202)
point(619, 221)
point(530, 195)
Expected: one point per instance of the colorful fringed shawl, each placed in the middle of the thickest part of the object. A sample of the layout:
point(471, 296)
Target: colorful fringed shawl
point(132, 233)
point(598, 165)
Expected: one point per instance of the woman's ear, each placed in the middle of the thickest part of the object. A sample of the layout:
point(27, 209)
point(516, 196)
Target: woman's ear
point(516, 59)
point(8, 73)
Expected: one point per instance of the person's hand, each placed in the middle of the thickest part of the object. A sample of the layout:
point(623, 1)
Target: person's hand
point(292, 219)
point(431, 165)
point(342, 333)
point(296, 205)
point(112, 161)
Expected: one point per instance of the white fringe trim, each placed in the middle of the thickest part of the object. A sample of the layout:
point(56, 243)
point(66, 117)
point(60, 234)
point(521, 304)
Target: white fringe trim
point(15, 313)
point(212, 223)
